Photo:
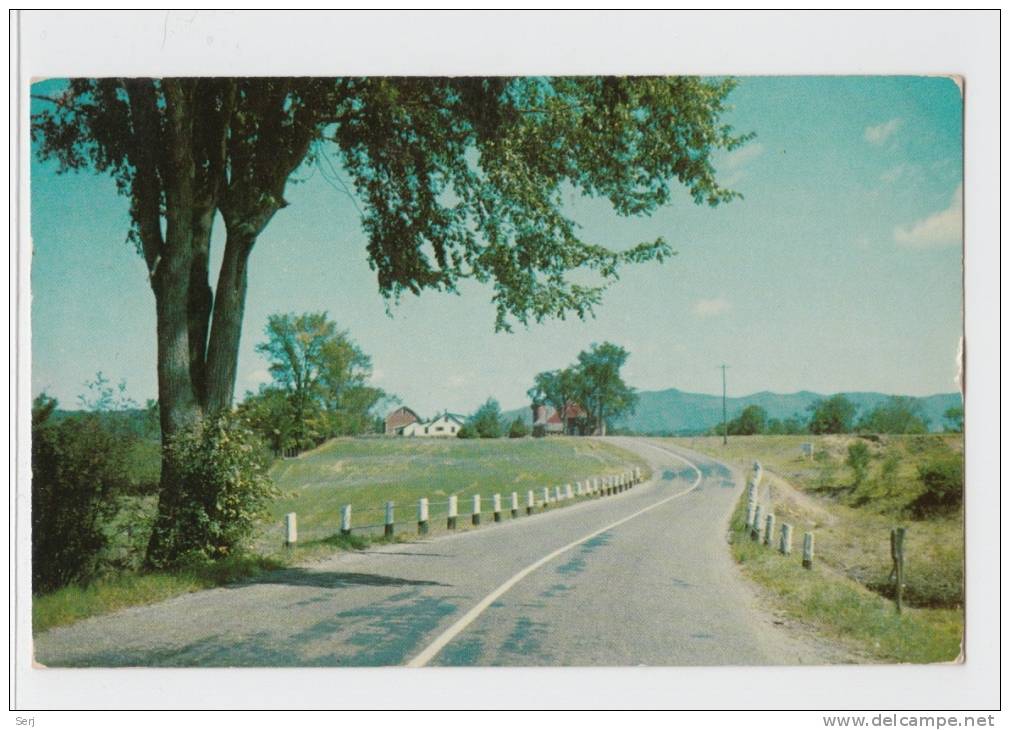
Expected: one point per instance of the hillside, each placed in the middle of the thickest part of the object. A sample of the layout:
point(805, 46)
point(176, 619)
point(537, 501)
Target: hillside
point(675, 411)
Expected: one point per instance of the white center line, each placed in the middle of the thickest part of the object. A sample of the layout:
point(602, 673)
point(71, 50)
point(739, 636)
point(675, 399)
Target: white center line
point(470, 616)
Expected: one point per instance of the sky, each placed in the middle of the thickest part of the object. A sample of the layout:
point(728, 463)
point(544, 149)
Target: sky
point(839, 270)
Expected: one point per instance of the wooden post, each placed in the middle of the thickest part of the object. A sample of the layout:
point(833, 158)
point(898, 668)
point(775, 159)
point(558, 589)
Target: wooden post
point(769, 529)
point(578, 489)
point(755, 527)
point(596, 485)
point(450, 521)
point(290, 529)
point(422, 516)
point(751, 505)
point(752, 491)
point(547, 497)
point(530, 502)
point(568, 491)
point(515, 505)
point(557, 494)
point(345, 520)
point(388, 532)
point(475, 517)
point(898, 556)
point(638, 474)
point(496, 502)
point(786, 539)
point(808, 550)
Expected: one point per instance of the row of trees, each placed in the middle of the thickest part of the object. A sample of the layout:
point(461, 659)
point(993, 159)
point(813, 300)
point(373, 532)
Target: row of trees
point(593, 383)
point(838, 414)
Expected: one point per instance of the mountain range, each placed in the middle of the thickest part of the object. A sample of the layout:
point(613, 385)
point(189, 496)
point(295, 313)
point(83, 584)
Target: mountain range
point(677, 411)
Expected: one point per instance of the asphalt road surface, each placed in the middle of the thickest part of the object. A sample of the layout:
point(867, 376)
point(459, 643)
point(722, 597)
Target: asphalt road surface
point(640, 578)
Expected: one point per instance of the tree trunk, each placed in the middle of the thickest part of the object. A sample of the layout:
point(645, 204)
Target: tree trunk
point(178, 403)
point(226, 328)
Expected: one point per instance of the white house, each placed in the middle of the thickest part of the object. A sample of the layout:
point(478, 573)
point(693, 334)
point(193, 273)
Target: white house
point(446, 425)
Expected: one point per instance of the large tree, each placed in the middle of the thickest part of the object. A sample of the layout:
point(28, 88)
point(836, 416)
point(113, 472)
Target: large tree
point(832, 415)
point(556, 388)
point(601, 390)
point(323, 374)
point(458, 178)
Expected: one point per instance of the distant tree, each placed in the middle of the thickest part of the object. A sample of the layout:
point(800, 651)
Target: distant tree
point(899, 414)
point(832, 415)
point(486, 421)
point(556, 388)
point(467, 431)
point(752, 420)
point(323, 375)
point(954, 416)
point(599, 386)
point(518, 429)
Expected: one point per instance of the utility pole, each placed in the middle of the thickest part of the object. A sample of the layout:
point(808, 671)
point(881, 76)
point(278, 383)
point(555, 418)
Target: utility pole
point(724, 428)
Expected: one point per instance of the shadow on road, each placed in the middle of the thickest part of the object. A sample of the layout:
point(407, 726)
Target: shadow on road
point(330, 579)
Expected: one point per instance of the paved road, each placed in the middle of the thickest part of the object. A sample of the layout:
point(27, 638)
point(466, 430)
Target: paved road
point(640, 578)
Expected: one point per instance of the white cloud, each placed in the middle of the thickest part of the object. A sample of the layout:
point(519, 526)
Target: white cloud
point(893, 174)
point(939, 229)
point(881, 132)
point(742, 155)
point(711, 307)
point(733, 164)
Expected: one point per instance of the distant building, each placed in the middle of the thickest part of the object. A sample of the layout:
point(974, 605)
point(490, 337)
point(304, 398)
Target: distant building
point(575, 422)
point(400, 418)
point(446, 425)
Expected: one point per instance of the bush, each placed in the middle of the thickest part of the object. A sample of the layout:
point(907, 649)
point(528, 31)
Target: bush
point(78, 467)
point(518, 429)
point(858, 461)
point(943, 480)
point(223, 489)
point(466, 431)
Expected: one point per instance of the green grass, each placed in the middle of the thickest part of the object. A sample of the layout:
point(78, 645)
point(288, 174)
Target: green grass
point(845, 610)
point(111, 593)
point(365, 473)
point(847, 594)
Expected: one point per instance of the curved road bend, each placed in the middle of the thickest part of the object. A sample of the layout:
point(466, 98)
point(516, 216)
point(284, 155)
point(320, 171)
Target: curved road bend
point(641, 578)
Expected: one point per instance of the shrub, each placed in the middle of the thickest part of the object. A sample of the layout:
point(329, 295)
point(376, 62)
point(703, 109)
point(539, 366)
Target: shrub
point(223, 489)
point(858, 461)
point(78, 467)
point(943, 480)
point(518, 429)
point(466, 431)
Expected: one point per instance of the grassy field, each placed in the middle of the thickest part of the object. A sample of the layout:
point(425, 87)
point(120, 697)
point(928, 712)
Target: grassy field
point(365, 473)
point(361, 472)
point(846, 595)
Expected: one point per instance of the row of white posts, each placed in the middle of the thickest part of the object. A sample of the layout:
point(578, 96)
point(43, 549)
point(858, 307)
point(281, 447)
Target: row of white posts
point(762, 525)
point(600, 486)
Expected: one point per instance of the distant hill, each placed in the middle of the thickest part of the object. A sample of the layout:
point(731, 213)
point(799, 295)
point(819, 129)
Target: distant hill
point(676, 411)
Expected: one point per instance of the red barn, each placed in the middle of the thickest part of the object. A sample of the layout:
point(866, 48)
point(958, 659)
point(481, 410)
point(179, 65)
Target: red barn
point(399, 418)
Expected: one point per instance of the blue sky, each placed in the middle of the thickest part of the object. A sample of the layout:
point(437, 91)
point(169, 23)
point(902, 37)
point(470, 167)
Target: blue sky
point(839, 270)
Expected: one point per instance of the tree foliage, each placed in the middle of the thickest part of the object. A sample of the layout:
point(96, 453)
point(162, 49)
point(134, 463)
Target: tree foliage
point(78, 468)
point(319, 385)
point(832, 415)
point(487, 420)
point(518, 429)
point(954, 416)
point(752, 420)
point(601, 390)
point(224, 491)
point(899, 414)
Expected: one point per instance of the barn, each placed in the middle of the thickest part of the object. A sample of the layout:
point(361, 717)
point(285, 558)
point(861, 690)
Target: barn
point(400, 418)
